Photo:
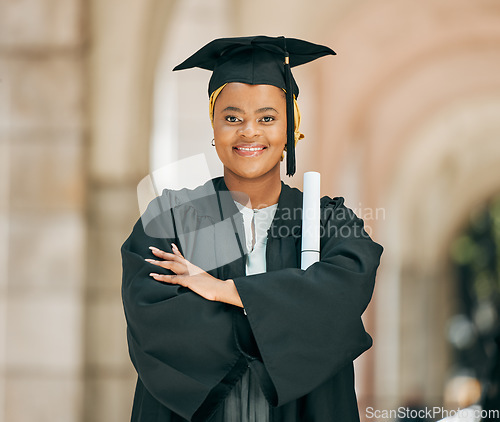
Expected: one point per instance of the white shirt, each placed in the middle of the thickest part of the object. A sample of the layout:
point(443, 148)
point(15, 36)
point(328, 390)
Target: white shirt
point(256, 223)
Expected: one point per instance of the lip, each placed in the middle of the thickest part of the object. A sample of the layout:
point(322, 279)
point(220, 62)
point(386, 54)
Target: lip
point(249, 150)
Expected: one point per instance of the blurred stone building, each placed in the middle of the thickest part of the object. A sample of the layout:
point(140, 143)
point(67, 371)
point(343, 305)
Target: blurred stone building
point(404, 121)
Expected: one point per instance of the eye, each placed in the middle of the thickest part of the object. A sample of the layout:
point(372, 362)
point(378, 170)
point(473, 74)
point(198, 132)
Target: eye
point(232, 119)
point(267, 119)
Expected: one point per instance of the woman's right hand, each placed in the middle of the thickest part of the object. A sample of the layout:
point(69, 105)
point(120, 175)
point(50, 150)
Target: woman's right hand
point(194, 278)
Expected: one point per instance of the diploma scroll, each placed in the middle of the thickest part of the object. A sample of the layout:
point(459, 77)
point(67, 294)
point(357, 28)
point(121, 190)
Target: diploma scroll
point(310, 220)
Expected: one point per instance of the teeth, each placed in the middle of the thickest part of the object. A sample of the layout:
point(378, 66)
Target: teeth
point(250, 149)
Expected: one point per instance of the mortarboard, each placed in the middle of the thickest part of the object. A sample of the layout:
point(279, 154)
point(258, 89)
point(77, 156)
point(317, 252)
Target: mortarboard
point(258, 60)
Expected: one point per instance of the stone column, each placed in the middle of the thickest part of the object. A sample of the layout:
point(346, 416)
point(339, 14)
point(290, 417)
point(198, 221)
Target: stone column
point(124, 40)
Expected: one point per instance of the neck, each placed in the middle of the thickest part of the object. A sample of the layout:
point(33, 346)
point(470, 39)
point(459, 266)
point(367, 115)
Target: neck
point(256, 193)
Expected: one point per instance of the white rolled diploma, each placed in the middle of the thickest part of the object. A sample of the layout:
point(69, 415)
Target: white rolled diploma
point(310, 220)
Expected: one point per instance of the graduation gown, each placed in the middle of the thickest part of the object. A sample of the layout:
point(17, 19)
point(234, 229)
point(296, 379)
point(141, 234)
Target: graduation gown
point(299, 333)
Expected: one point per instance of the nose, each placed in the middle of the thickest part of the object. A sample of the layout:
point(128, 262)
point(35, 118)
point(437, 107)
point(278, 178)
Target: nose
point(249, 129)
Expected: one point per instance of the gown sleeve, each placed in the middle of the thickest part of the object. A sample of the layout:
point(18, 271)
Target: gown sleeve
point(181, 345)
point(307, 324)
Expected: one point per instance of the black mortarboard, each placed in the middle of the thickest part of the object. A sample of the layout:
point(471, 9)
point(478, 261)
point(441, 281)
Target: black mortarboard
point(258, 60)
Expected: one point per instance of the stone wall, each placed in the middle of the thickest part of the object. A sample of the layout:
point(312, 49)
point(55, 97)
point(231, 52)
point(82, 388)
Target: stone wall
point(43, 142)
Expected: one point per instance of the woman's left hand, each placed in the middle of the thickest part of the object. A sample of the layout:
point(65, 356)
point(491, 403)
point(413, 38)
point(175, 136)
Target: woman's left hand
point(193, 277)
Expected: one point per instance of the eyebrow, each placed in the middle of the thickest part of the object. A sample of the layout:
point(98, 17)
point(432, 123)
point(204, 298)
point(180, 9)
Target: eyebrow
point(264, 109)
point(230, 108)
point(260, 110)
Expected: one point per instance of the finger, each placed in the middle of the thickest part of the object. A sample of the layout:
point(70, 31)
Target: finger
point(165, 255)
point(163, 278)
point(176, 250)
point(170, 279)
point(176, 267)
point(159, 263)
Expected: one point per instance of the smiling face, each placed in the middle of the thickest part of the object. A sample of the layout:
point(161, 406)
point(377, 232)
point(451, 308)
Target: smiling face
point(250, 129)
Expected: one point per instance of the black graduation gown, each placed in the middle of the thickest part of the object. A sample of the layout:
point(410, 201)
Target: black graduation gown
point(302, 330)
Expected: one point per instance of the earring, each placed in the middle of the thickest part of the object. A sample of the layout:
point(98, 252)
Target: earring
point(213, 142)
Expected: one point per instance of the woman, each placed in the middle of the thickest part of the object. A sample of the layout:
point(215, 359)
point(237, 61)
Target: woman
point(223, 325)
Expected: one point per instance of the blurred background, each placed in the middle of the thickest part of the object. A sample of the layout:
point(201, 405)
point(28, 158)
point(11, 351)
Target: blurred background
point(404, 123)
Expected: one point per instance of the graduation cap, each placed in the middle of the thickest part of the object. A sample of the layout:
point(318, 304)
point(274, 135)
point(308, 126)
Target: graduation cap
point(258, 60)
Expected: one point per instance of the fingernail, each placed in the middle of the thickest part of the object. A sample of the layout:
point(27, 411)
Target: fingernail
point(153, 274)
point(149, 260)
point(174, 246)
point(153, 248)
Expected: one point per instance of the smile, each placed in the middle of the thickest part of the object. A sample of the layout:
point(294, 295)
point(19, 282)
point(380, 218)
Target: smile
point(249, 148)
point(253, 151)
